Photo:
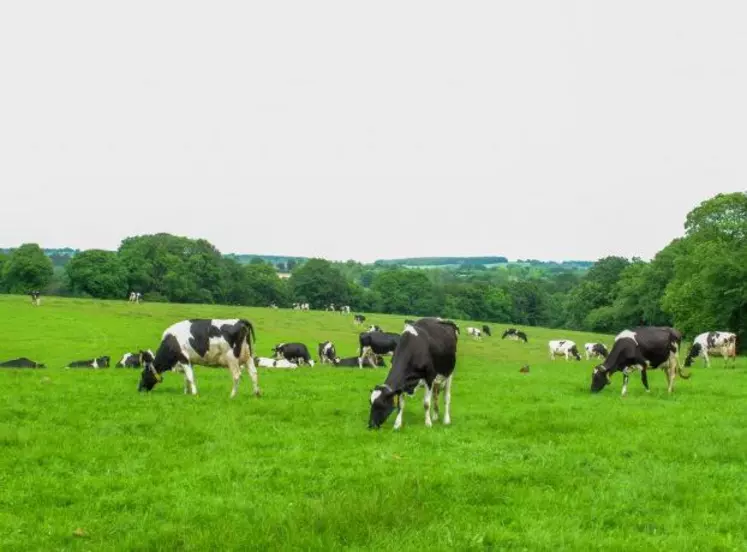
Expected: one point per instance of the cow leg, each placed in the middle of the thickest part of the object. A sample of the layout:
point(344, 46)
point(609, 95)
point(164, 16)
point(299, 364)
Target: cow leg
point(671, 372)
point(626, 375)
point(644, 379)
point(189, 379)
point(447, 400)
point(252, 371)
point(427, 404)
point(707, 358)
point(400, 410)
point(235, 368)
point(436, 389)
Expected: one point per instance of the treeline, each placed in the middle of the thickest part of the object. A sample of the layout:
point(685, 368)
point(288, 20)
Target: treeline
point(698, 282)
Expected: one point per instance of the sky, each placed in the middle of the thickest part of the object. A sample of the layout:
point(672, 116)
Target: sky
point(366, 130)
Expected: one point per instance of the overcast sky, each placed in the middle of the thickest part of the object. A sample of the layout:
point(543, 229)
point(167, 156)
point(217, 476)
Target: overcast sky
point(551, 130)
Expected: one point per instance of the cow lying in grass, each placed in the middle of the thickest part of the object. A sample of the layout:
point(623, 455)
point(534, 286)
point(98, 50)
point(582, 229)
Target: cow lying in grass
point(100, 362)
point(22, 362)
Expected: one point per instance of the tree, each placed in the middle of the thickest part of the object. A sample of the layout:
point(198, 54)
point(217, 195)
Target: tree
point(27, 268)
point(319, 283)
point(723, 216)
point(97, 273)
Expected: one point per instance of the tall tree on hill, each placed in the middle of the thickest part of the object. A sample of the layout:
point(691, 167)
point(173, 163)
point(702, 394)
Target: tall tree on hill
point(97, 273)
point(319, 283)
point(27, 268)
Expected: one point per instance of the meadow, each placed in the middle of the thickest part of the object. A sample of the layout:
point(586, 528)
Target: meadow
point(531, 461)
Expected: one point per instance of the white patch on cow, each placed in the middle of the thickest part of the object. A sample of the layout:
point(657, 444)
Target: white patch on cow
point(124, 358)
point(327, 347)
point(627, 334)
point(410, 329)
point(375, 395)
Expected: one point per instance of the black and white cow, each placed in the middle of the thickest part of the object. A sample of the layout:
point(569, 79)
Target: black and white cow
point(295, 352)
point(641, 348)
point(713, 343)
point(22, 362)
point(375, 328)
point(426, 356)
point(595, 350)
point(474, 332)
point(563, 347)
point(301, 306)
point(35, 298)
point(358, 319)
point(353, 361)
point(345, 309)
point(514, 334)
point(132, 360)
point(331, 307)
point(327, 352)
point(100, 362)
point(135, 297)
point(208, 342)
point(486, 329)
point(376, 343)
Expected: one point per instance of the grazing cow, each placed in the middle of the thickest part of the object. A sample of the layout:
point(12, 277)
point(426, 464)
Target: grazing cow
point(35, 298)
point(595, 350)
point(486, 329)
point(358, 319)
point(24, 362)
point(301, 306)
point(100, 362)
point(353, 361)
point(425, 356)
point(713, 343)
point(331, 307)
point(563, 347)
point(516, 335)
point(641, 348)
point(327, 352)
point(474, 332)
point(376, 343)
point(295, 352)
point(265, 362)
point(135, 297)
point(345, 309)
point(208, 342)
point(273, 306)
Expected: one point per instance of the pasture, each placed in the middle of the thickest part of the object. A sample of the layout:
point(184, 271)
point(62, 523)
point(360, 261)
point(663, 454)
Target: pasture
point(531, 461)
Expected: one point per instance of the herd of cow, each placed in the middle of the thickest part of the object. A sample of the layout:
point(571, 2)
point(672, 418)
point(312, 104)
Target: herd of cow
point(423, 354)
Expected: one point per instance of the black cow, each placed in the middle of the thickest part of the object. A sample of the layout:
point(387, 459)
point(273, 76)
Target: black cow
point(353, 361)
point(378, 343)
point(486, 329)
point(100, 362)
point(295, 352)
point(22, 362)
point(641, 348)
point(327, 352)
point(358, 319)
point(516, 335)
point(426, 356)
point(205, 341)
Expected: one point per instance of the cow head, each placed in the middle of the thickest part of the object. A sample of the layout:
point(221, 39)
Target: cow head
point(574, 352)
point(383, 403)
point(600, 378)
point(149, 376)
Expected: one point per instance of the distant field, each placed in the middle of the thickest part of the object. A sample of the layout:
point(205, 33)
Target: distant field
point(530, 462)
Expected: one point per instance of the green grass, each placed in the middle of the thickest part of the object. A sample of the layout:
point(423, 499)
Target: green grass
point(530, 462)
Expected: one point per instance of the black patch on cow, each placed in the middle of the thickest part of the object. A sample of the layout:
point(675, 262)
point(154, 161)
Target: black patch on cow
point(202, 330)
point(21, 362)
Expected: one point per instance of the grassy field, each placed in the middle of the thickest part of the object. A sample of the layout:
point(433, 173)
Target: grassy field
point(530, 462)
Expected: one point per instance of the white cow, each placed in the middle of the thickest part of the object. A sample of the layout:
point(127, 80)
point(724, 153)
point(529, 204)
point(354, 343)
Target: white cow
point(474, 332)
point(563, 347)
point(265, 362)
point(713, 343)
